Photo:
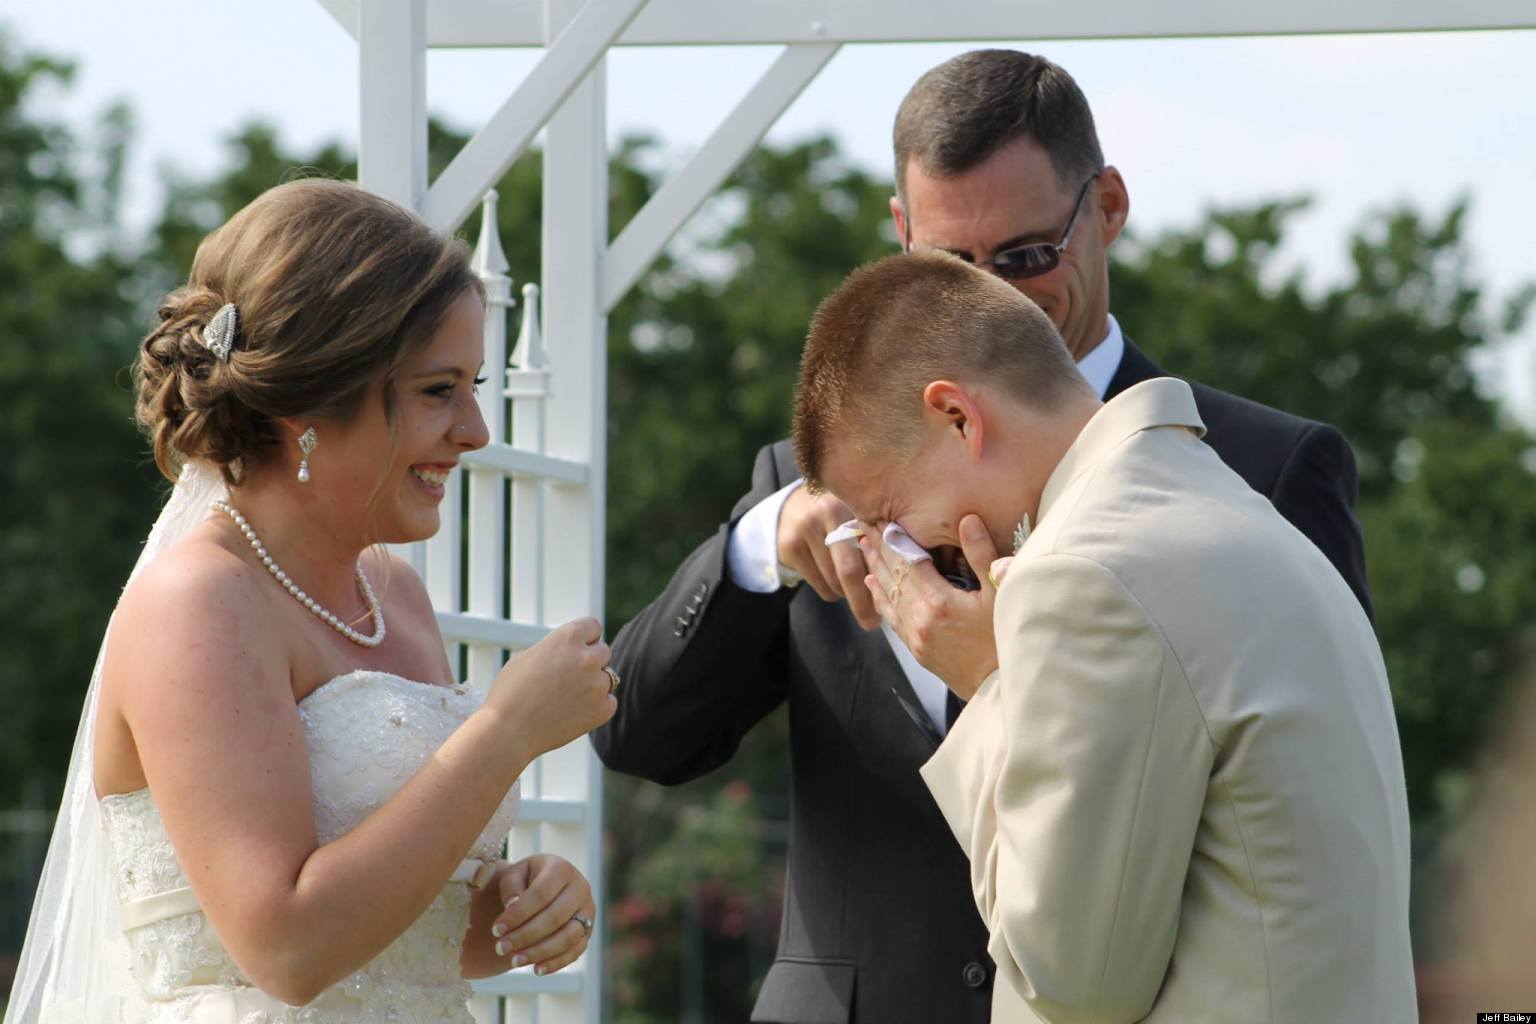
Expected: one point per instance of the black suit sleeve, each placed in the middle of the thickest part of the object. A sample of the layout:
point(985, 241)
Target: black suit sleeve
point(700, 665)
point(1316, 491)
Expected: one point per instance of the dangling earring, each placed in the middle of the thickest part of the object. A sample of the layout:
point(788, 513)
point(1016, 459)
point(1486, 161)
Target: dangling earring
point(306, 445)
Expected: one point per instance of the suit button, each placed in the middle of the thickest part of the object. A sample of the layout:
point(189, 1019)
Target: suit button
point(974, 974)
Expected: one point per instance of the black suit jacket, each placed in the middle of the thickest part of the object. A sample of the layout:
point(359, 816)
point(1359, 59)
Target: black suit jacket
point(879, 922)
point(1306, 469)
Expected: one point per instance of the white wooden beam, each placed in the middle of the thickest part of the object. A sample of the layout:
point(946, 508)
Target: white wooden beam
point(392, 128)
point(486, 157)
point(648, 231)
point(345, 13)
point(713, 22)
point(512, 462)
point(464, 628)
point(523, 982)
point(575, 811)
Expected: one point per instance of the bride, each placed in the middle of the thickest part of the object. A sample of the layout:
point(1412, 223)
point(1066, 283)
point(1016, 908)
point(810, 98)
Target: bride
point(280, 806)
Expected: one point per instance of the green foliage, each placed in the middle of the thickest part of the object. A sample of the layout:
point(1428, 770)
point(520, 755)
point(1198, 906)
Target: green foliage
point(692, 929)
point(1375, 355)
point(194, 207)
point(1453, 557)
point(703, 373)
point(76, 496)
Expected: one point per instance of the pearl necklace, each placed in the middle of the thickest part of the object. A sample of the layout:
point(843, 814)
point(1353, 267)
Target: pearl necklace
point(324, 614)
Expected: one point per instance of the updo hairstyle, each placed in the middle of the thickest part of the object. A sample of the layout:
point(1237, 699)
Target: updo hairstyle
point(333, 287)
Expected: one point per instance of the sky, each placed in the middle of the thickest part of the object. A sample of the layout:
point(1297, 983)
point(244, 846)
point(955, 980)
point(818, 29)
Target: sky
point(1358, 123)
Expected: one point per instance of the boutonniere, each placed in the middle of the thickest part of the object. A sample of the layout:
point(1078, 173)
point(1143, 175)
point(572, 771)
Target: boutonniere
point(1021, 533)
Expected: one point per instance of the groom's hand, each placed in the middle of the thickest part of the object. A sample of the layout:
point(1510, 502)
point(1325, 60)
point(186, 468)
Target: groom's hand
point(834, 573)
point(948, 630)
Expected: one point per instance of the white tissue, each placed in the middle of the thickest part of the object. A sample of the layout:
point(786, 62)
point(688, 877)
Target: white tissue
point(897, 539)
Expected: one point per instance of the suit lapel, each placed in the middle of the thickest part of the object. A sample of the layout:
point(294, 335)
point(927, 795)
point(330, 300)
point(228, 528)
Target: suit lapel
point(1134, 368)
point(888, 682)
point(883, 682)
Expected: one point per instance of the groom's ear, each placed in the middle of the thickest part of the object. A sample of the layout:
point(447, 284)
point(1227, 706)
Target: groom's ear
point(952, 413)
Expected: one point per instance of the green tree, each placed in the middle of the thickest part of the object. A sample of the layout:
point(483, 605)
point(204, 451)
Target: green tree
point(76, 494)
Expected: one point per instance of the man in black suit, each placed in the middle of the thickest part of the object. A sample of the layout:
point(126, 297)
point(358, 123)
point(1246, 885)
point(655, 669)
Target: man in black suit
point(998, 162)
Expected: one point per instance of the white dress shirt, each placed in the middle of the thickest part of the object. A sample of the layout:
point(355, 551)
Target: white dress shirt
point(752, 553)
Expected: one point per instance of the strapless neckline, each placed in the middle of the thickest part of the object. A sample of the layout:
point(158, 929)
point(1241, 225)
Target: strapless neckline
point(367, 732)
point(381, 674)
point(355, 673)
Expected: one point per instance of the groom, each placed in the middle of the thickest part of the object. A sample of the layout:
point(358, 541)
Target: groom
point(1178, 778)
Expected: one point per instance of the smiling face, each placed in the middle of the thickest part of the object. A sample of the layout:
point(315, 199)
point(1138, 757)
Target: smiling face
point(1015, 197)
point(437, 419)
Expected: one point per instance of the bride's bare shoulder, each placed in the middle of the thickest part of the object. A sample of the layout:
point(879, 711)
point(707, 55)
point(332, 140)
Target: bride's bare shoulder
point(196, 593)
point(189, 575)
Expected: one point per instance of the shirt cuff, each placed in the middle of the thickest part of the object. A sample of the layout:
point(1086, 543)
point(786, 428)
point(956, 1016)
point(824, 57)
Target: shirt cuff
point(752, 552)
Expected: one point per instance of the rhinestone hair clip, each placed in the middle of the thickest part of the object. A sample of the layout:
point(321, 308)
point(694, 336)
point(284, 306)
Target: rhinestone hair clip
point(219, 335)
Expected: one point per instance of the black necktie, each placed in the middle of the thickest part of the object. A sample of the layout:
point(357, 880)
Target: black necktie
point(953, 705)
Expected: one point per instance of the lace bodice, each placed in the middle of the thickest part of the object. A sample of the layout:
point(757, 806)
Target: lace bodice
point(368, 734)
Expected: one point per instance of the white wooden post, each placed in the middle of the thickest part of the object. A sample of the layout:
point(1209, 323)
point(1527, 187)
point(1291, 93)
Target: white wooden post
point(581, 40)
point(487, 502)
point(528, 387)
point(555, 460)
point(392, 161)
point(575, 239)
point(392, 128)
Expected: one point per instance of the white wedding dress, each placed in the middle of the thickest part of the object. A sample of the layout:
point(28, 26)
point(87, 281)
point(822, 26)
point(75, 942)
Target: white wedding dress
point(368, 733)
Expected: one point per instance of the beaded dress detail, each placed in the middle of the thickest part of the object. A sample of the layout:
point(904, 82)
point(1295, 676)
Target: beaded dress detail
point(368, 734)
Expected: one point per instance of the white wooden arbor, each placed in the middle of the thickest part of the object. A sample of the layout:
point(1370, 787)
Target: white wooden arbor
point(546, 549)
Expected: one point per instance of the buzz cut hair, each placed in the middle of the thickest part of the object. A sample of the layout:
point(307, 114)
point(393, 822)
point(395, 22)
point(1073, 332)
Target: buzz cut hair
point(895, 326)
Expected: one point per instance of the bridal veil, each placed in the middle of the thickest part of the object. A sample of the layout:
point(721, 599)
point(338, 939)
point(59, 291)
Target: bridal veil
point(74, 960)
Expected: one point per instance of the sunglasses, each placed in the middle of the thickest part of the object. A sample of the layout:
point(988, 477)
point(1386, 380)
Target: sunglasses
point(1025, 261)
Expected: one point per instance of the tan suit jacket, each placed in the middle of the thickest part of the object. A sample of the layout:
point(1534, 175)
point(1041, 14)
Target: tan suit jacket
point(1182, 793)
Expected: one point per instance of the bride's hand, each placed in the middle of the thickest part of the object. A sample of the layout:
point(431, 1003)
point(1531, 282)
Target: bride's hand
point(543, 896)
point(556, 690)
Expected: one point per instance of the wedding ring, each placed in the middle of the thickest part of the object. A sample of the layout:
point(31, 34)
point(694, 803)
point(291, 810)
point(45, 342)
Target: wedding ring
point(613, 684)
point(585, 922)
